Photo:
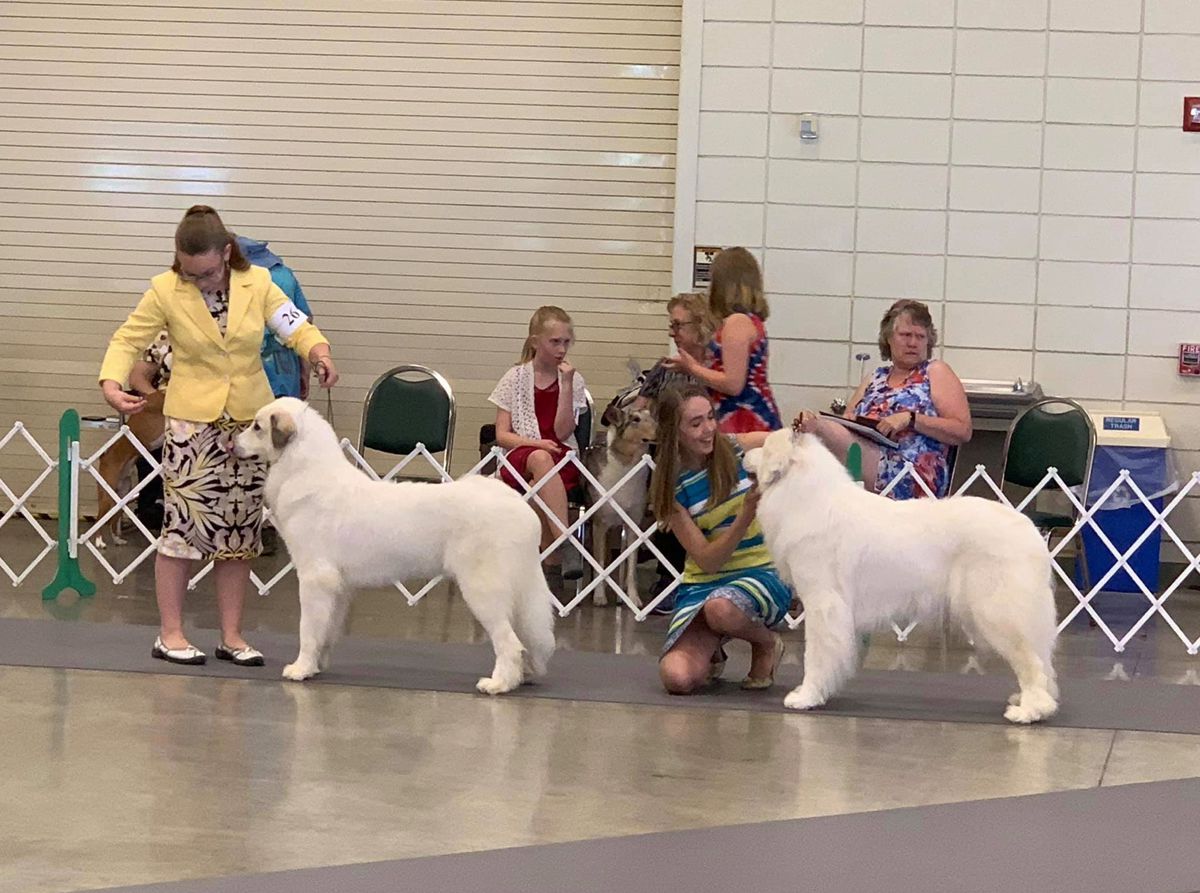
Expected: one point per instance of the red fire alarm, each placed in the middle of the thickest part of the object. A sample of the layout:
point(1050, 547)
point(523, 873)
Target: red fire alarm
point(1191, 113)
point(1189, 359)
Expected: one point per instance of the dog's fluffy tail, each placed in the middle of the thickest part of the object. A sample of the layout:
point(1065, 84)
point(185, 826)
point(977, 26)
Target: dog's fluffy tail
point(533, 620)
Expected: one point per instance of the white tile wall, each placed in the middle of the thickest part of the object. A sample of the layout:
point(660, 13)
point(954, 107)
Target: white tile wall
point(814, 317)
point(1096, 15)
point(891, 95)
point(818, 46)
point(1090, 193)
point(811, 182)
point(733, 133)
point(1008, 326)
point(837, 11)
point(991, 279)
point(974, 362)
point(1090, 101)
point(810, 226)
point(807, 272)
point(931, 13)
point(1019, 165)
point(1085, 238)
point(1093, 55)
point(1157, 333)
point(1001, 52)
point(1076, 147)
point(1166, 241)
point(729, 223)
point(911, 232)
point(908, 49)
point(732, 179)
point(734, 89)
point(1080, 376)
point(1164, 287)
point(993, 235)
point(804, 90)
point(737, 10)
point(734, 43)
point(838, 138)
point(1172, 16)
point(905, 139)
point(1082, 284)
point(994, 189)
point(997, 143)
point(1171, 57)
point(915, 186)
point(1009, 14)
point(998, 98)
point(899, 276)
point(1080, 330)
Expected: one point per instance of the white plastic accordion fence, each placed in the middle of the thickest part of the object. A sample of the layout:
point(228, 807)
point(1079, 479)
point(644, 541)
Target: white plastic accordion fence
point(638, 532)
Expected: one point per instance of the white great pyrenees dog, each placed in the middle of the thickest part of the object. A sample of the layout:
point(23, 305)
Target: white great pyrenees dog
point(346, 531)
point(858, 560)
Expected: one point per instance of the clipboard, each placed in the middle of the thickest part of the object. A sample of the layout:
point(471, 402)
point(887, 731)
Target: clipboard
point(863, 427)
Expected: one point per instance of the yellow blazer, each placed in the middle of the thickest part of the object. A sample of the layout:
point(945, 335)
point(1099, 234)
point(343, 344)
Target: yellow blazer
point(209, 373)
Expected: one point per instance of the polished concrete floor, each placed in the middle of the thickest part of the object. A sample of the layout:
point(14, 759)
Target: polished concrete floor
point(118, 779)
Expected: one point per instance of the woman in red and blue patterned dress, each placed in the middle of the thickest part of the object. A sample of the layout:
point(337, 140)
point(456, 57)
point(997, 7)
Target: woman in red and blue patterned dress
point(736, 371)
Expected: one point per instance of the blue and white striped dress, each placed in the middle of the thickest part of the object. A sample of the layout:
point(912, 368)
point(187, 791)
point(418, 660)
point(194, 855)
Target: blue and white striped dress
point(748, 578)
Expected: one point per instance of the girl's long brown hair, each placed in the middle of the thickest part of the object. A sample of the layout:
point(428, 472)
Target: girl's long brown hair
point(201, 231)
point(721, 465)
point(543, 315)
point(736, 285)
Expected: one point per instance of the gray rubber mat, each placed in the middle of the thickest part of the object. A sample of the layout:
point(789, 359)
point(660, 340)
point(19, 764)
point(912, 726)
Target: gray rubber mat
point(1137, 705)
point(1100, 840)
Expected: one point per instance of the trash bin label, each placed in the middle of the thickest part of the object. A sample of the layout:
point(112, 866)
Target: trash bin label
point(1122, 423)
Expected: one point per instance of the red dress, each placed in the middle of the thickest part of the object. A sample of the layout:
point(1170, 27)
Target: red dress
point(545, 406)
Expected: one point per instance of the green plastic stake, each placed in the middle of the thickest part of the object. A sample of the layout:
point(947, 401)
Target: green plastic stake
point(69, 575)
point(854, 462)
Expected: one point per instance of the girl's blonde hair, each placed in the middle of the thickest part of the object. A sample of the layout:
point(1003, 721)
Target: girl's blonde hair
point(721, 465)
point(737, 285)
point(695, 305)
point(542, 317)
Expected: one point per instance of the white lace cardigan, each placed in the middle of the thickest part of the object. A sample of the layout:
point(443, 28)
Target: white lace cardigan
point(514, 393)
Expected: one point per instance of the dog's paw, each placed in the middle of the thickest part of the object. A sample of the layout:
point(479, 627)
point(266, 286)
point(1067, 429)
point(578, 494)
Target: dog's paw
point(1034, 707)
point(802, 699)
point(489, 685)
point(100, 543)
point(298, 671)
point(1014, 700)
point(634, 598)
point(119, 540)
point(600, 597)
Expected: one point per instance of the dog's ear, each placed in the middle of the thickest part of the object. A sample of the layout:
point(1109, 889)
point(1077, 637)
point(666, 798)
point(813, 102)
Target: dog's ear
point(614, 417)
point(283, 429)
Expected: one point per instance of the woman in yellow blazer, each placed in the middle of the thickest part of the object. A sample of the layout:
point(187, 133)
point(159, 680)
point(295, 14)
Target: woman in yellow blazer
point(214, 306)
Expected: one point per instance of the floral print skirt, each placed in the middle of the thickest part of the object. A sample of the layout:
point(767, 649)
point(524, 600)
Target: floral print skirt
point(212, 500)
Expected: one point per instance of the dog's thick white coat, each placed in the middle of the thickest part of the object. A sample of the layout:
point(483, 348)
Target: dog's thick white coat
point(858, 560)
point(346, 531)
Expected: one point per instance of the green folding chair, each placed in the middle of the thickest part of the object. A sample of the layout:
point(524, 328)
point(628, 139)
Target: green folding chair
point(408, 405)
point(1052, 432)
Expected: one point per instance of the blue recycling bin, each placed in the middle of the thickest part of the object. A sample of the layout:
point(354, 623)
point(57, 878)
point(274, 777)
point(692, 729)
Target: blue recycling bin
point(1139, 443)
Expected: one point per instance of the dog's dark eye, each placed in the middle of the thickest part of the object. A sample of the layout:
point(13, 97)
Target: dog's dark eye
point(257, 426)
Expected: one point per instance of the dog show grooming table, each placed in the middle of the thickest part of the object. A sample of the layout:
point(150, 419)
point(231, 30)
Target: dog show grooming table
point(1096, 840)
point(1134, 705)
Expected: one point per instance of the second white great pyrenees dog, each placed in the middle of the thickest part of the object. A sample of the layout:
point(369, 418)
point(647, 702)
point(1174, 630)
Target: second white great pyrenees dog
point(346, 531)
point(858, 560)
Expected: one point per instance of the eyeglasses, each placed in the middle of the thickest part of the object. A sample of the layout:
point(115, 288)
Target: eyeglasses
point(207, 274)
point(675, 326)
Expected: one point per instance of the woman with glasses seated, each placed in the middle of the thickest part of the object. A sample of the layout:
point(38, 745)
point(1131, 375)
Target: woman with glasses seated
point(735, 368)
point(214, 307)
point(916, 401)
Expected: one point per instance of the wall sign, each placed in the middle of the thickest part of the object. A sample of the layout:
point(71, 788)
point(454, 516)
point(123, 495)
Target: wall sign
point(702, 268)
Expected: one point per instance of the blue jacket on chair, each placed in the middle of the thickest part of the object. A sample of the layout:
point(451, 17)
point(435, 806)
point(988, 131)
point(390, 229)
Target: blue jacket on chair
point(281, 364)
